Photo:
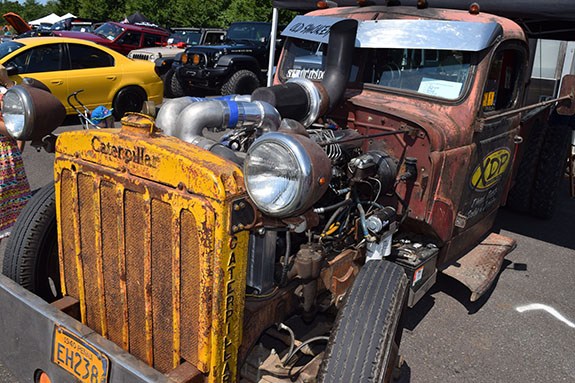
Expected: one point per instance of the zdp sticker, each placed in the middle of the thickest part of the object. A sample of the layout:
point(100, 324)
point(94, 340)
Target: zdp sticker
point(491, 169)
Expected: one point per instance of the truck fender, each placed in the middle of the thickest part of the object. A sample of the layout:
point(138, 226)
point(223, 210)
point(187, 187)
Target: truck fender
point(164, 62)
point(245, 61)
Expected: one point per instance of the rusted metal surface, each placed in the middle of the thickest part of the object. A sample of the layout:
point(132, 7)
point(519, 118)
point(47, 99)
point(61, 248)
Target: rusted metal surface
point(68, 305)
point(186, 373)
point(150, 258)
point(263, 312)
point(478, 268)
point(340, 273)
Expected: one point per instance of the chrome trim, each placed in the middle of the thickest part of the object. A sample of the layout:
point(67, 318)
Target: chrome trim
point(314, 99)
point(414, 34)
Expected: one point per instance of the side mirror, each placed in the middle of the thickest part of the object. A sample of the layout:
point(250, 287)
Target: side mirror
point(566, 104)
point(12, 70)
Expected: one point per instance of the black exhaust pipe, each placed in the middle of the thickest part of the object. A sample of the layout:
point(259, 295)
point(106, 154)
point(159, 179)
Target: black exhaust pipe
point(303, 100)
point(339, 59)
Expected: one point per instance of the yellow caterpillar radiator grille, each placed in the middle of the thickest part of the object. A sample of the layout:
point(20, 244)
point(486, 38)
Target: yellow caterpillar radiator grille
point(152, 265)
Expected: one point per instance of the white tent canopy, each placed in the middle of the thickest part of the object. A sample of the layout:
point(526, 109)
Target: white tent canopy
point(66, 16)
point(50, 19)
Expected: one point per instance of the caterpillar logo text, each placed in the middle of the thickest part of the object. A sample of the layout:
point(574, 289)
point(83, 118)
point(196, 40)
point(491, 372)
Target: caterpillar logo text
point(491, 169)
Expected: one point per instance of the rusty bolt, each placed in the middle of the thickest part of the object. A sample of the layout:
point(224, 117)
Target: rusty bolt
point(236, 207)
point(234, 228)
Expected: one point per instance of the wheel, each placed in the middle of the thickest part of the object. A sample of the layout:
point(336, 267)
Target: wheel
point(172, 86)
point(242, 82)
point(128, 99)
point(550, 168)
point(519, 198)
point(365, 338)
point(31, 255)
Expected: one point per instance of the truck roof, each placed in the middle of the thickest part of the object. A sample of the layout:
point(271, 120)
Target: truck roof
point(511, 30)
point(539, 19)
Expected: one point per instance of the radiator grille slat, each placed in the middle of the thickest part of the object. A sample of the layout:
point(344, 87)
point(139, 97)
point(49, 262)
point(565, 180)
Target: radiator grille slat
point(135, 252)
point(121, 228)
point(88, 210)
point(162, 284)
point(113, 274)
point(190, 285)
point(68, 182)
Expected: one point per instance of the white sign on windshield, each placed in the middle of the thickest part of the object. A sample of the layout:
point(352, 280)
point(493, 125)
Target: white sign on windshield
point(310, 28)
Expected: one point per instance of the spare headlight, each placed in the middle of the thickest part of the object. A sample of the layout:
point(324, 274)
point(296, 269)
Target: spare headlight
point(286, 174)
point(30, 113)
point(16, 111)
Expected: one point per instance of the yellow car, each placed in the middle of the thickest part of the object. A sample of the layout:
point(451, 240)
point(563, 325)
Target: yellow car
point(66, 65)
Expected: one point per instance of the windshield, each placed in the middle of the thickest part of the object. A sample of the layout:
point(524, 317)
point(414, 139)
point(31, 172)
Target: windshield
point(432, 72)
point(188, 37)
point(249, 32)
point(109, 31)
point(8, 47)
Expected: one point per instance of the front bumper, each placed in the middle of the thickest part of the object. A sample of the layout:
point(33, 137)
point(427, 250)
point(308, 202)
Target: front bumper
point(202, 77)
point(27, 326)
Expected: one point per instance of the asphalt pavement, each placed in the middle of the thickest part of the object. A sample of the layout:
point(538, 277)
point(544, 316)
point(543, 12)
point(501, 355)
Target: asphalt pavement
point(522, 330)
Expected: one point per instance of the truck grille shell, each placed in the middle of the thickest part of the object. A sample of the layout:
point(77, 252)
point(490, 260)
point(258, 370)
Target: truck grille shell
point(148, 262)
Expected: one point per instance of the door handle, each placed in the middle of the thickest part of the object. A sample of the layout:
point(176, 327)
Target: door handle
point(57, 82)
point(111, 77)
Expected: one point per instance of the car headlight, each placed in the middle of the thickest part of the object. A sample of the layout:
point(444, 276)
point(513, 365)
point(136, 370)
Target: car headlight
point(286, 174)
point(30, 113)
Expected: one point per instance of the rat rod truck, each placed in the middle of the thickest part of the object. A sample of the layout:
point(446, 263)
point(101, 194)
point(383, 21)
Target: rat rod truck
point(286, 249)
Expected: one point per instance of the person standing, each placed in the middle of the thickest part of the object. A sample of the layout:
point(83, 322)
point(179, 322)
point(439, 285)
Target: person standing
point(14, 186)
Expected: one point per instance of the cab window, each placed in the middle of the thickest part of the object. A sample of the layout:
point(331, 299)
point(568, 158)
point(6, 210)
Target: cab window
point(130, 38)
point(85, 57)
point(151, 40)
point(45, 58)
point(431, 72)
point(502, 86)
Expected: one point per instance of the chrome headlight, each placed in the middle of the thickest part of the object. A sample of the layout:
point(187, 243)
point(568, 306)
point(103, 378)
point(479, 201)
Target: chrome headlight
point(17, 113)
point(31, 113)
point(286, 173)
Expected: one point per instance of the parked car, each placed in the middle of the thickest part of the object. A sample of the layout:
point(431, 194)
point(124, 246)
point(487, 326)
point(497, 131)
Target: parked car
point(78, 24)
point(180, 39)
point(238, 65)
point(122, 37)
point(66, 65)
point(69, 24)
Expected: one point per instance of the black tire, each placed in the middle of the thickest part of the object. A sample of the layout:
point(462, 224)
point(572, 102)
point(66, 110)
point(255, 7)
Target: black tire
point(31, 255)
point(242, 82)
point(128, 99)
point(550, 169)
point(519, 198)
point(172, 86)
point(365, 338)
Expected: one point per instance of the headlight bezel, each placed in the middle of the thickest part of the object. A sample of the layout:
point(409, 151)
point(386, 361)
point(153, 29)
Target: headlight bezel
point(42, 111)
point(26, 103)
point(313, 172)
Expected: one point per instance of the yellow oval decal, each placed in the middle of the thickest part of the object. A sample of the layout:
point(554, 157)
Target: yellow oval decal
point(491, 169)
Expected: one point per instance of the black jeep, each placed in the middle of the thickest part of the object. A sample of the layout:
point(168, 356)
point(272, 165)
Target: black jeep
point(237, 66)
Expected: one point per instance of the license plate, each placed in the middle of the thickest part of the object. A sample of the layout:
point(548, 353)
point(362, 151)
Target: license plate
point(78, 357)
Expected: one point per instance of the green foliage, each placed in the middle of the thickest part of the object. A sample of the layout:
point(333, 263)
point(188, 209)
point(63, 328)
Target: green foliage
point(171, 13)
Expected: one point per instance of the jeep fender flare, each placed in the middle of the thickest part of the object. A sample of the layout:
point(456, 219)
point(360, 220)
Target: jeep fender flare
point(164, 62)
point(244, 61)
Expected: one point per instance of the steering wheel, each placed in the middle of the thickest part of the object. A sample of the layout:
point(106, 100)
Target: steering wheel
point(390, 74)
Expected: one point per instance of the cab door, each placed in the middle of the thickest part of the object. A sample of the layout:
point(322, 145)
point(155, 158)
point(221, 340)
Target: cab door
point(93, 71)
point(495, 135)
point(45, 63)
